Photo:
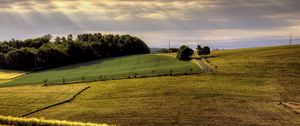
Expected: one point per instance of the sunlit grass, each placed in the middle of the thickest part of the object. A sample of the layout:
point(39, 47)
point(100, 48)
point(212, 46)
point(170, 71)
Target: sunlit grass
point(9, 74)
point(9, 120)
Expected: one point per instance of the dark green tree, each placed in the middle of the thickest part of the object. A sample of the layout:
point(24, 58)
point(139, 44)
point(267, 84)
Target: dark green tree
point(206, 50)
point(63, 39)
point(199, 49)
point(4, 48)
point(70, 38)
point(184, 53)
point(21, 58)
point(57, 40)
point(2, 60)
point(48, 56)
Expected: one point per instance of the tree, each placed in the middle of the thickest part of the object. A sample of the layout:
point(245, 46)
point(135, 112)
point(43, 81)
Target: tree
point(48, 37)
point(74, 51)
point(63, 39)
point(2, 60)
point(88, 52)
point(206, 50)
point(4, 48)
point(184, 53)
point(180, 49)
point(199, 49)
point(48, 56)
point(97, 49)
point(57, 40)
point(21, 58)
point(70, 38)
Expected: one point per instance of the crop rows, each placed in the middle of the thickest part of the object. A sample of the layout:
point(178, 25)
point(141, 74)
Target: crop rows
point(110, 69)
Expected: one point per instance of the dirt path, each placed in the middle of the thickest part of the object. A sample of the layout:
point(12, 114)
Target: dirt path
point(204, 67)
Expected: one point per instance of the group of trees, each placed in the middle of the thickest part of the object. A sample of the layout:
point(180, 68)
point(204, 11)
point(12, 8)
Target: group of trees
point(185, 53)
point(171, 50)
point(42, 53)
point(203, 51)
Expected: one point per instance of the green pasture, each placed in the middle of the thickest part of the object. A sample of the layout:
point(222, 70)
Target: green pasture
point(107, 69)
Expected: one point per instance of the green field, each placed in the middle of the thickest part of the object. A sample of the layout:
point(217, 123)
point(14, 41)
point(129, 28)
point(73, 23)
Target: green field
point(111, 68)
point(245, 89)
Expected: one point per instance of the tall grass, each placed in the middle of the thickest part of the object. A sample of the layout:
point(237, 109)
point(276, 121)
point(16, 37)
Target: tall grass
point(16, 121)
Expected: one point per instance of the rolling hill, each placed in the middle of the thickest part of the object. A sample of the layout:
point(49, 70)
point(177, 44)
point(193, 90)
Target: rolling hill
point(246, 88)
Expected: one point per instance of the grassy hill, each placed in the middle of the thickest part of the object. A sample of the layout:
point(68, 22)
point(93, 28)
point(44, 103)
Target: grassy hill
point(111, 68)
point(245, 89)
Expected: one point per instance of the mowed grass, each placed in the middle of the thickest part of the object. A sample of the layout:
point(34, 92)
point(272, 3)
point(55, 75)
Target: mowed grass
point(245, 89)
point(16, 101)
point(111, 68)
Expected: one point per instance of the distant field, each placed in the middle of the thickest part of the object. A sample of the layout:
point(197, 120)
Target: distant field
point(111, 68)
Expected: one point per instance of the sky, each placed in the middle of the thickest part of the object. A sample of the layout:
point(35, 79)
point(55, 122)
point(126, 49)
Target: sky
point(215, 23)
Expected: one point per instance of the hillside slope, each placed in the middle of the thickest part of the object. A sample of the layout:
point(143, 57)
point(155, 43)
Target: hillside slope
point(245, 89)
point(17, 101)
point(279, 65)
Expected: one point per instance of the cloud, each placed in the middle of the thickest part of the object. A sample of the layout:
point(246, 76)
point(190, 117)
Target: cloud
point(169, 19)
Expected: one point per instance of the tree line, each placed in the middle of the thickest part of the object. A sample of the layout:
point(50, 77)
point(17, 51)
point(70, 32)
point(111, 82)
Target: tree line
point(42, 53)
point(165, 50)
point(185, 53)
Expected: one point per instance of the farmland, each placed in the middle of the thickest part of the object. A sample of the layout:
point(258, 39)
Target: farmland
point(18, 101)
point(245, 89)
point(111, 68)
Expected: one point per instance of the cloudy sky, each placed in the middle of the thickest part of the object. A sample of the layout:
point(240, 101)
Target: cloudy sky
point(217, 23)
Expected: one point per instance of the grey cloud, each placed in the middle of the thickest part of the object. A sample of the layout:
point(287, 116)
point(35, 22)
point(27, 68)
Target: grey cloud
point(214, 15)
